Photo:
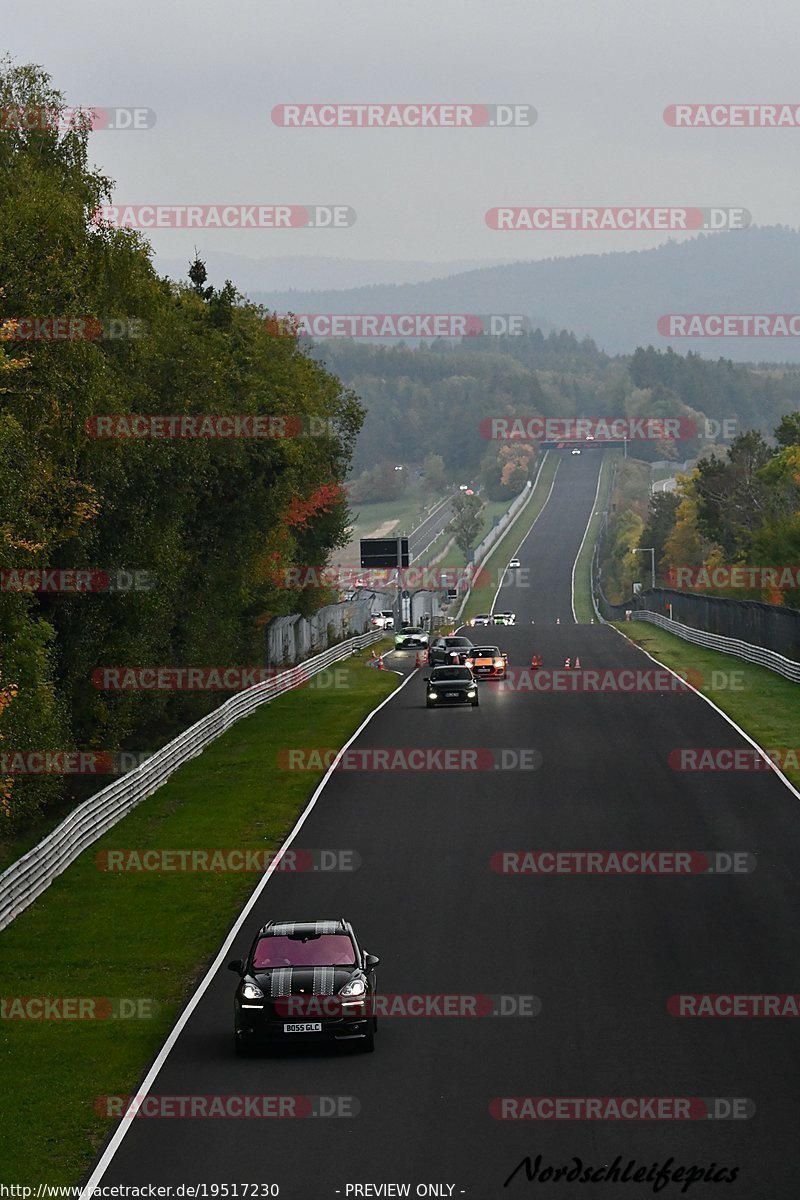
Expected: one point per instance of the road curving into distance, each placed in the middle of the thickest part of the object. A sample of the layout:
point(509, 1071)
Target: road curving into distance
point(442, 896)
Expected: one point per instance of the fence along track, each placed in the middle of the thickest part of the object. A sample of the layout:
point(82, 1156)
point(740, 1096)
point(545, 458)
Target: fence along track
point(26, 879)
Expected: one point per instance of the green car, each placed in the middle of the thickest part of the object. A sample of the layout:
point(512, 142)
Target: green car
point(411, 638)
point(505, 618)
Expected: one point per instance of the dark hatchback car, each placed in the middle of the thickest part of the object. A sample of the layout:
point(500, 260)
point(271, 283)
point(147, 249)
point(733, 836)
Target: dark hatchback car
point(305, 981)
point(451, 685)
point(449, 650)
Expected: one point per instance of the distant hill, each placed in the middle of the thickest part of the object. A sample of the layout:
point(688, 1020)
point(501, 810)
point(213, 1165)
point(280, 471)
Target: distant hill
point(307, 271)
point(614, 298)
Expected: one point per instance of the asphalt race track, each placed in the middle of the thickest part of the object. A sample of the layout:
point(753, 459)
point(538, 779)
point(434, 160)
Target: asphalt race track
point(603, 953)
point(431, 527)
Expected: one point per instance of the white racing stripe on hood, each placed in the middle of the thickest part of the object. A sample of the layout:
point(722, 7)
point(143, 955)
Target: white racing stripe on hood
point(280, 981)
point(327, 927)
point(323, 981)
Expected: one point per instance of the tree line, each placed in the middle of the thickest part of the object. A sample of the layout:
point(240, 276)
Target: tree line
point(738, 507)
point(432, 398)
point(209, 523)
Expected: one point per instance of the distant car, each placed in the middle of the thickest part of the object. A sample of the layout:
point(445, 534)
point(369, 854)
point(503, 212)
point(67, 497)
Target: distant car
point(514, 562)
point(451, 685)
point(411, 637)
point(488, 662)
point(383, 620)
point(463, 487)
point(449, 650)
point(576, 450)
point(481, 619)
point(589, 437)
point(504, 618)
point(305, 981)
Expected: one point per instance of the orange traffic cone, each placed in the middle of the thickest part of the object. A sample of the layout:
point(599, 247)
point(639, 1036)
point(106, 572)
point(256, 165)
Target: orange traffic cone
point(381, 667)
point(417, 662)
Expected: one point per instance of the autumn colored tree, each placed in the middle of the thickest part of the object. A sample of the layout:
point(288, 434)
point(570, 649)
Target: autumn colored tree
point(203, 516)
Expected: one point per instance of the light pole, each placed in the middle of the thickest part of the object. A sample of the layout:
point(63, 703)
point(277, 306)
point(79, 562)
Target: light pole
point(652, 553)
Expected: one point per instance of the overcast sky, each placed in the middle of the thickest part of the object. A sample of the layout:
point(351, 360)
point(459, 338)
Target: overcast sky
point(598, 74)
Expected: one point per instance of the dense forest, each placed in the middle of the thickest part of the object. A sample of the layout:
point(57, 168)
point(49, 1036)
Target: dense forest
point(432, 399)
point(739, 508)
point(208, 522)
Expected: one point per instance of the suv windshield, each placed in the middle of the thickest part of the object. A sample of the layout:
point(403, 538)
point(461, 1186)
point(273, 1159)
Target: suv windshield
point(451, 673)
point(328, 950)
point(486, 652)
point(453, 643)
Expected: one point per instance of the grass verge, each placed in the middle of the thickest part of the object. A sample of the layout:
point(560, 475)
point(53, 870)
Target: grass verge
point(148, 935)
point(456, 556)
point(763, 704)
point(582, 595)
point(480, 598)
point(408, 511)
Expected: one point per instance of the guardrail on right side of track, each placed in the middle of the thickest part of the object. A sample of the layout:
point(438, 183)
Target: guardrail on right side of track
point(758, 655)
point(29, 876)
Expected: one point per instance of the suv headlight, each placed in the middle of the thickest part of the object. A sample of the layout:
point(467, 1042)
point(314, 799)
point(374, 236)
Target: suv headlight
point(251, 991)
point(356, 987)
point(472, 694)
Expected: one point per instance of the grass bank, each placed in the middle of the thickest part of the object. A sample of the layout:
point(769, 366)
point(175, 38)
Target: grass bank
point(147, 935)
point(763, 704)
point(480, 598)
point(582, 581)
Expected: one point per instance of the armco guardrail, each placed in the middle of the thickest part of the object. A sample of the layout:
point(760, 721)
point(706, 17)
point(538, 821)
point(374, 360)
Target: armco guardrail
point(421, 535)
point(484, 549)
point(32, 874)
point(714, 641)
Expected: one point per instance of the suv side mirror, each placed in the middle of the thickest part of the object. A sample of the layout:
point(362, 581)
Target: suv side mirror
point(370, 961)
point(426, 678)
point(236, 965)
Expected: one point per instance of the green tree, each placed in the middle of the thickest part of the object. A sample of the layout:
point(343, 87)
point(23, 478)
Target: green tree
point(466, 522)
point(660, 521)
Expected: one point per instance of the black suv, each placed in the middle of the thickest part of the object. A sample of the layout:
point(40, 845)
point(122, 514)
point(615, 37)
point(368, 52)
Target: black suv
point(447, 650)
point(305, 981)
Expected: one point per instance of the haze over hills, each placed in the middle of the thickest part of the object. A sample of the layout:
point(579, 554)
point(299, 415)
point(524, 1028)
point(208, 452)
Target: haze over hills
point(314, 271)
point(614, 298)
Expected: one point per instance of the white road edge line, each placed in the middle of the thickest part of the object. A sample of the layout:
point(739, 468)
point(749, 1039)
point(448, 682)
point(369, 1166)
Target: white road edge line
point(175, 1032)
point(583, 539)
point(533, 522)
point(716, 708)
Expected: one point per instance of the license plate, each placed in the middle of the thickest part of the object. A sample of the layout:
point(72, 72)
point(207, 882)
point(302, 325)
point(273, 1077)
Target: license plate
point(451, 695)
point(304, 1027)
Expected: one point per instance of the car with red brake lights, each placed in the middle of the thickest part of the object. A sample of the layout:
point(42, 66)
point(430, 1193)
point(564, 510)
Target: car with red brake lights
point(487, 662)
